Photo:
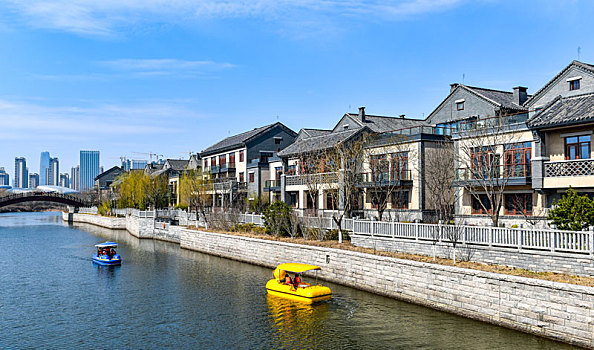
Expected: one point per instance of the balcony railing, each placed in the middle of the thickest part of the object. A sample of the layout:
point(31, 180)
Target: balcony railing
point(215, 169)
point(578, 167)
point(272, 185)
point(377, 179)
point(495, 172)
point(312, 178)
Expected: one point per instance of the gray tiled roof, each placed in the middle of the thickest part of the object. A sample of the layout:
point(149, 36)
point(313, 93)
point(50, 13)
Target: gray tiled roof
point(503, 99)
point(318, 143)
point(378, 123)
point(177, 164)
point(152, 167)
point(235, 140)
point(565, 111)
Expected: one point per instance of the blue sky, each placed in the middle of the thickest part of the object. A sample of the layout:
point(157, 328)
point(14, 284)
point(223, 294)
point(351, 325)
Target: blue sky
point(176, 76)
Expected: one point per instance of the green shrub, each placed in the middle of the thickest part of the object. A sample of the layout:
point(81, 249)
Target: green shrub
point(181, 206)
point(572, 212)
point(104, 209)
point(332, 235)
point(277, 217)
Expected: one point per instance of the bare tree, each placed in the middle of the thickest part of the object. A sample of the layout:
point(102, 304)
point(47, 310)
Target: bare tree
point(387, 158)
point(195, 188)
point(314, 175)
point(485, 166)
point(346, 160)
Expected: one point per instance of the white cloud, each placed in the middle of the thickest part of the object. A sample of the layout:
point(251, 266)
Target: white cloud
point(106, 17)
point(22, 120)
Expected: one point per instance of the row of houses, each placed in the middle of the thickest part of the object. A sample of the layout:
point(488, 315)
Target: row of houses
point(480, 151)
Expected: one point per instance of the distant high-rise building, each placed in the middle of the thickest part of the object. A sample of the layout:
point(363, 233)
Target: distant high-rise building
point(43, 166)
point(33, 180)
point(89, 169)
point(100, 170)
point(4, 177)
point(129, 164)
point(52, 173)
point(75, 178)
point(21, 173)
point(64, 180)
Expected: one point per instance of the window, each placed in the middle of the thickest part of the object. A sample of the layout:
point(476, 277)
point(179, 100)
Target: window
point(518, 204)
point(577, 147)
point(400, 166)
point(232, 159)
point(517, 159)
point(206, 163)
point(485, 163)
point(380, 168)
point(222, 159)
point(400, 200)
point(241, 177)
point(278, 140)
point(213, 161)
point(277, 173)
point(241, 156)
point(292, 170)
point(252, 177)
point(479, 205)
point(460, 106)
point(574, 85)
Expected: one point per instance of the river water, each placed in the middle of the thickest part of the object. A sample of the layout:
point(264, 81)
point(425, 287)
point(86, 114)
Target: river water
point(53, 297)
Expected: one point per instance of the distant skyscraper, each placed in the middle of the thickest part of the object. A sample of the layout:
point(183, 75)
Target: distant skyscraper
point(33, 180)
point(100, 170)
point(64, 180)
point(4, 177)
point(89, 169)
point(75, 178)
point(52, 174)
point(43, 166)
point(21, 174)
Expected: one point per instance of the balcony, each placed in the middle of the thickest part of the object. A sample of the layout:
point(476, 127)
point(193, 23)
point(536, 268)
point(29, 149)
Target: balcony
point(575, 173)
point(501, 175)
point(321, 178)
point(386, 179)
point(272, 186)
point(228, 184)
point(215, 169)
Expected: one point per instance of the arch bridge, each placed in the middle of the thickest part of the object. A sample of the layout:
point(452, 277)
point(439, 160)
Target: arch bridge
point(67, 199)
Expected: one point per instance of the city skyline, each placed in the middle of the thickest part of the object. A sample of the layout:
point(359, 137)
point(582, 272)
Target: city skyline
point(125, 80)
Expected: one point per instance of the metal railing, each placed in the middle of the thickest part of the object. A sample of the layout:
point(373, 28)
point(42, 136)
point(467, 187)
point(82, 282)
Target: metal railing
point(384, 178)
point(312, 178)
point(494, 172)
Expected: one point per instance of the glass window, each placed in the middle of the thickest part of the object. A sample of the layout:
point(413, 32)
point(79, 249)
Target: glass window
point(222, 159)
point(252, 177)
point(518, 159)
point(400, 199)
point(577, 147)
point(574, 85)
point(460, 106)
point(213, 161)
point(480, 204)
point(232, 158)
point(241, 177)
point(241, 157)
point(518, 204)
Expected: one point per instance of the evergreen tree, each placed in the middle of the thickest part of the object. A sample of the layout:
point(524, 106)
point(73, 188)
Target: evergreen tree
point(572, 212)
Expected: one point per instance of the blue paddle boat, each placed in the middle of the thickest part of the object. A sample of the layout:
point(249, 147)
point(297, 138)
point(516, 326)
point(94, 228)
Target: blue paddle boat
point(106, 254)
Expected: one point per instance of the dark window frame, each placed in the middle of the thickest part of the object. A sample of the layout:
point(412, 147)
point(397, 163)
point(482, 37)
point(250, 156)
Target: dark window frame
point(580, 141)
point(574, 84)
point(460, 106)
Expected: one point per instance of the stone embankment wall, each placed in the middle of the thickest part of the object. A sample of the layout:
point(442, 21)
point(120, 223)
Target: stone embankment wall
point(103, 221)
point(533, 260)
point(554, 310)
point(138, 227)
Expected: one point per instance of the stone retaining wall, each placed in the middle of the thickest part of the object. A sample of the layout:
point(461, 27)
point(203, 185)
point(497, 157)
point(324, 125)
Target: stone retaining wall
point(103, 221)
point(554, 310)
point(533, 260)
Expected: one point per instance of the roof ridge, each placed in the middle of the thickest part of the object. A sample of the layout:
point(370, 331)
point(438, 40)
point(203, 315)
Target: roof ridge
point(487, 89)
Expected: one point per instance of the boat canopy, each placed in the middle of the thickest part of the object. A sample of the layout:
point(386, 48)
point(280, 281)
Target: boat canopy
point(107, 244)
point(297, 267)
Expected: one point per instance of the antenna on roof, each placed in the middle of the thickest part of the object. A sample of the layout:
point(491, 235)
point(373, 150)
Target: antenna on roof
point(579, 50)
point(463, 76)
point(277, 118)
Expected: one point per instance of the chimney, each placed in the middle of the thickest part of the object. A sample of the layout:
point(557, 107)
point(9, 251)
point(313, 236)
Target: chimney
point(362, 114)
point(453, 86)
point(520, 95)
point(402, 116)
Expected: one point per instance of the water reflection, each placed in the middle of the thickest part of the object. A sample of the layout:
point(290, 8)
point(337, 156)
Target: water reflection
point(297, 325)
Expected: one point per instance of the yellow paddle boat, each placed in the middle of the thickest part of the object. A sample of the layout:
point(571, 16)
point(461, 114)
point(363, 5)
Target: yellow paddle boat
point(285, 286)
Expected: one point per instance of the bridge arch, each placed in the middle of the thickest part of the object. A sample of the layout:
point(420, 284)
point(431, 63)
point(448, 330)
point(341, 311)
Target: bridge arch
point(67, 199)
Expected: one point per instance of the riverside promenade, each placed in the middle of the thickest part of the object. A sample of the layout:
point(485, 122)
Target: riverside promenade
point(559, 311)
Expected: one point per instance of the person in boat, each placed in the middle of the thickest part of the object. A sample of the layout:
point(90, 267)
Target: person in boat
point(288, 280)
point(296, 281)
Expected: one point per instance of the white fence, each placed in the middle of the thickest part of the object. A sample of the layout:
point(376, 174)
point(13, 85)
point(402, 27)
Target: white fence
point(514, 238)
